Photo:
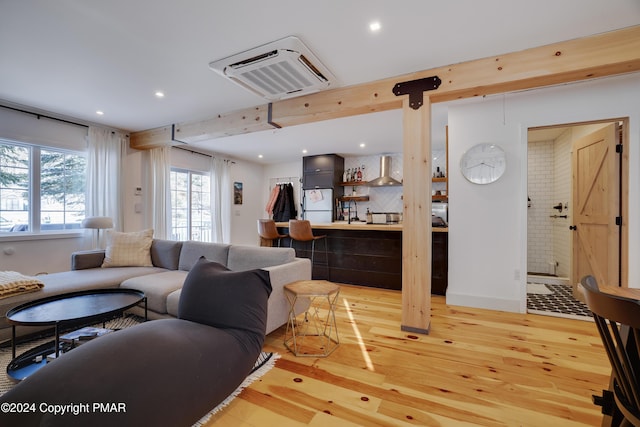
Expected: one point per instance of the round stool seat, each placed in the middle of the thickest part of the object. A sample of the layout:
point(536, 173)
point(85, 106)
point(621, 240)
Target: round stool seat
point(317, 334)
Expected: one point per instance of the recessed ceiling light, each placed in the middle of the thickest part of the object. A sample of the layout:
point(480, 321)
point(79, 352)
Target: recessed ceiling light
point(159, 94)
point(375, 26)
point(304, 151)
point(260, 156)
point(100, 113)
point(362, 145)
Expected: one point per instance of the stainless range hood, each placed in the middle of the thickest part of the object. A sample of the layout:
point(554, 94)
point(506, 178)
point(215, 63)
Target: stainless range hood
point(385, 179)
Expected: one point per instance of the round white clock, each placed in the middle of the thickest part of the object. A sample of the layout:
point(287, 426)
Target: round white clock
point(483, 163)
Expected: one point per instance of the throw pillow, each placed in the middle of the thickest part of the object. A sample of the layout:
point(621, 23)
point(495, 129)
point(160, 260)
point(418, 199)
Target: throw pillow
point(216, 296)
point(128, 249)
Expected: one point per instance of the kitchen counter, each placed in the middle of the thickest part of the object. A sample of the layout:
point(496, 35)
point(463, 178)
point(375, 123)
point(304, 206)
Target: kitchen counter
point(368, 254)
point(344, 225)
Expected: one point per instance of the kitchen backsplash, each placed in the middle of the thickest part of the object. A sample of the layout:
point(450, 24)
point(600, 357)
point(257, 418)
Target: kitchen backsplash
point(382, 199)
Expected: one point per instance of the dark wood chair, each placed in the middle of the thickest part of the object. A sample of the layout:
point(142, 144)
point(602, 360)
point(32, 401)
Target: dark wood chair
point(300, 230)
point(268, 231)
point(618, 321)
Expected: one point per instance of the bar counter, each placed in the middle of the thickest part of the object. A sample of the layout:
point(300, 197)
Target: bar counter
point(359, 225)
point(368, 254)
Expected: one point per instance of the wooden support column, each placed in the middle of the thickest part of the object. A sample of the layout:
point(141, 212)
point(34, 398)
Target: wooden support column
point(416, 232)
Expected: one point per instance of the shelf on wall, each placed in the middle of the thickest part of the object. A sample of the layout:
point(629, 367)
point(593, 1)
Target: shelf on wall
point(354, 198)
point(353, 183)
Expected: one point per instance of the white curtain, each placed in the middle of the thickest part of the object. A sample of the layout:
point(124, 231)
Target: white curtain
point(106, 151)
point(160, 173)
point(221, 200)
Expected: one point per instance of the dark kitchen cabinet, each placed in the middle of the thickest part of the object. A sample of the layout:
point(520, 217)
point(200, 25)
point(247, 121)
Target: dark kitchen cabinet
point(322, 171)
point(321, 163)
point(368, 257)
point(318, 180)
point(439, 263)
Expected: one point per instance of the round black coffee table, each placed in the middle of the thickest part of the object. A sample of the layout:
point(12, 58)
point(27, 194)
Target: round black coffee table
point(65, 311)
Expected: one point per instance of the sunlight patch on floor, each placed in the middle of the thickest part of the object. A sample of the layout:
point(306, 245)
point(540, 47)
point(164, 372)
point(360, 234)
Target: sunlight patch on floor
point(356, 332)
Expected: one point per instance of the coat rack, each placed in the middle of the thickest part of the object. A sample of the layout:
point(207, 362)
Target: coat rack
point(283, 180)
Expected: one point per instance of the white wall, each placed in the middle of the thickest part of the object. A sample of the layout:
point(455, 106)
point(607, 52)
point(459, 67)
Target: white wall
point(487, 223)
point(243, 217)
point(135, 209)
point(42, 255)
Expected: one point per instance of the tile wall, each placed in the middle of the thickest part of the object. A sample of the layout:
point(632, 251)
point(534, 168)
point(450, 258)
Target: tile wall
point(539, 226)
point(549, 184)
point(384, 199)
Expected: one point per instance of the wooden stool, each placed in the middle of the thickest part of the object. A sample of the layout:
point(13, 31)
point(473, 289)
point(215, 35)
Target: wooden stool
point(313, 336)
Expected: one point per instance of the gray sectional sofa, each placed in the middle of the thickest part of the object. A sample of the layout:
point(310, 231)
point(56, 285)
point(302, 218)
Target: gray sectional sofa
point(162, 282)
point(189, 365)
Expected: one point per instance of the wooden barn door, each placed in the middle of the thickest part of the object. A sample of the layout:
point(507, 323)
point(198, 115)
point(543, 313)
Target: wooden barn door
point(596, 201)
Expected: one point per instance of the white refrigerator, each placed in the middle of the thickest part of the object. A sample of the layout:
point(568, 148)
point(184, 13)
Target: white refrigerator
point(318, 205)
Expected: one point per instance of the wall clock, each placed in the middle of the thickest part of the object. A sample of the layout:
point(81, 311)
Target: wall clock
point(483, 163)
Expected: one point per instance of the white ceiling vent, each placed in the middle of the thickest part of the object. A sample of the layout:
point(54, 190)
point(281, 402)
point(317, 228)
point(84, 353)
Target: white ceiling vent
point(277, 70)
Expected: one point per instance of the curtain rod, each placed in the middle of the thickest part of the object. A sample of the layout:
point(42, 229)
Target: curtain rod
point(38, 115)
point(202, 154)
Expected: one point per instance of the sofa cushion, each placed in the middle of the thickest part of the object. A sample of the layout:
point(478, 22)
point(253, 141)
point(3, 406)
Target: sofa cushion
point(82, 260)
point(166, 253)
point(173, 302)
point(128, 249)
point(215, 296)
point(244, 257)
point(157, 287)
point(72, 281)
point(192, 251)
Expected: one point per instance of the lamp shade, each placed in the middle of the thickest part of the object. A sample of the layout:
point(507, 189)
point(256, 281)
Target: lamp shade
point(97, 222)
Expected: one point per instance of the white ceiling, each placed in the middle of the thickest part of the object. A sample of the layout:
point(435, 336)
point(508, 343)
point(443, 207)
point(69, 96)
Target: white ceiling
point(74, 57)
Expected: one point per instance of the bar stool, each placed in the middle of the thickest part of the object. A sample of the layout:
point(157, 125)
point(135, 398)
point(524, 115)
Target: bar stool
point(300, 230)
point(268, 231)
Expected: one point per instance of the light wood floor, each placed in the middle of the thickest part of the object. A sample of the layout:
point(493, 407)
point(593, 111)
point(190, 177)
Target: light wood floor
point(476, 367)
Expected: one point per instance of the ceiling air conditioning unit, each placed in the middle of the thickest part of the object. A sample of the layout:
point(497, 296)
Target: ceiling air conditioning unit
point(277, 70)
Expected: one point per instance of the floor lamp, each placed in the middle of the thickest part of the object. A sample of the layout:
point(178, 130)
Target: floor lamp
point(97, 223)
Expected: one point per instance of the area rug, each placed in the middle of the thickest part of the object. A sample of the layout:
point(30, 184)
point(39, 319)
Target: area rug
point(538, 289)
point(265, 362)
point(559, 303)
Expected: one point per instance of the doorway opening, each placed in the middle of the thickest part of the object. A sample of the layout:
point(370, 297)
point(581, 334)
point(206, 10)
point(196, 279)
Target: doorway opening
point(555, 262)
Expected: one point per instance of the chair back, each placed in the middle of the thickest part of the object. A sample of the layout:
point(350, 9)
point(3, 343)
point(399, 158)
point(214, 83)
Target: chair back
point(300, 229)
point(267, 229)
point(618, 321)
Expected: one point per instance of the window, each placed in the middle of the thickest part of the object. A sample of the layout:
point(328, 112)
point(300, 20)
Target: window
point(41, 189)
point(190, 205)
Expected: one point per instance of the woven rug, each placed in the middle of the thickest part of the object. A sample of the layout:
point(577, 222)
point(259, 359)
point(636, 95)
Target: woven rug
point(265, 362)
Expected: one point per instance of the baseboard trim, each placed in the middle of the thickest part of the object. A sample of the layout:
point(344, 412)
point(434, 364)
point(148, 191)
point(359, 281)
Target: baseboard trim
point(475, 301)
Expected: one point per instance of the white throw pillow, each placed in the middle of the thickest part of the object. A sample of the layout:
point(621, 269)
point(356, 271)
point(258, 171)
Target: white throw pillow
point(128, 249)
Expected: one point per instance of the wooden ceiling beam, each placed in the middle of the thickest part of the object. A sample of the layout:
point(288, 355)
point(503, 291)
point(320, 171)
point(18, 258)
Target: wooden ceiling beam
point(234, 123)
point(601, 55)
